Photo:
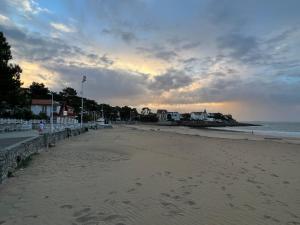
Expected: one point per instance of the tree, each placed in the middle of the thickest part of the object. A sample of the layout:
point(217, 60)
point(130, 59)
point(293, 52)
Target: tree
point(69, 96)
point(10, 84)
point(186, 116)
point(39, 91)
point(68, 92)
point(145, 111)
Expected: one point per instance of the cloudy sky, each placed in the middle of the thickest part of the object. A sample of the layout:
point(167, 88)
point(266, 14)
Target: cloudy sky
point(233, 56)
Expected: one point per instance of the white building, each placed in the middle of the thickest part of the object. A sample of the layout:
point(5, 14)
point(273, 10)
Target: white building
point(199, 115)
point(173, 116)
point(44, 106)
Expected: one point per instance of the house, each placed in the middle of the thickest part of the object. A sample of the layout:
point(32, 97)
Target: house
point(162, 114)
point(44, 106)
point(66, 110)
point(199, 115)
point(175, 116)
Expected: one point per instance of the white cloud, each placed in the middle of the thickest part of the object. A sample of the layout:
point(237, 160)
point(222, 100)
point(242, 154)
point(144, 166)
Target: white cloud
point(28, 6)
point(62, 27)
point(3, 19)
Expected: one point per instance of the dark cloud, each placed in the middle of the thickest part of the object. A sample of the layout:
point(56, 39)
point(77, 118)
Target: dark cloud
point(190, 45)
point(239, 46)
point(190, 60)
point(103, 83)
point(172, 79)
point(157, 52)
point(126, 36)
point(221, 89)
point(35, 47)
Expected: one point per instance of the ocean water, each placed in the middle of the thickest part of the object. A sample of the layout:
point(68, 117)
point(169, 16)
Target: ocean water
point(276, 129)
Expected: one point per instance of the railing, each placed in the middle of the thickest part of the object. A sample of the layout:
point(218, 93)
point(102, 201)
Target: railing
point(8, 125)
point(59, 124)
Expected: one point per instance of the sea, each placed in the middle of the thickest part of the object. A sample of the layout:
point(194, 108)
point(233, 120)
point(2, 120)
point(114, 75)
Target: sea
point(276, 129)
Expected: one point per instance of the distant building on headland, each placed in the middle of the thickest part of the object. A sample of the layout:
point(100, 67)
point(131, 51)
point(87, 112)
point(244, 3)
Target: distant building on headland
point(174, 116)
point(164, 115)
point(199, 115)
point(44, 106)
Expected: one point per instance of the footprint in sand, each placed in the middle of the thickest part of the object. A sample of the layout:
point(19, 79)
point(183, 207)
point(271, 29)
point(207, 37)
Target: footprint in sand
point(190, 202)
point(230, 196)
point(231, 205)
point(167, 173)
point(250, 207)
point(126, 202)
point(267, 217)
point(138, 184)
point(112, 217)
point(293, 223)
point(80, 212)
point(131, 190)
point(66, 206)
point(274, 175)
point(176, 197)
point(86, 218)
point(181, 179)
point(165, 194)
point(286, 182)
point(282, 203)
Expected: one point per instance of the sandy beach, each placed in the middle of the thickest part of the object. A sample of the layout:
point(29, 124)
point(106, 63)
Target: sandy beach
point(139, 175)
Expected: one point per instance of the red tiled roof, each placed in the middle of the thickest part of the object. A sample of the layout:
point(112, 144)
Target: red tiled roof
point(41, 102)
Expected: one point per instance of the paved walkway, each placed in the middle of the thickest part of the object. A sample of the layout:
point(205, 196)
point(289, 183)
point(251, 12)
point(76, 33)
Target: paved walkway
point(11, 138)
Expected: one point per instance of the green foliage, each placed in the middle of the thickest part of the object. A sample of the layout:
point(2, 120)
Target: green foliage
point(186, 116)
point(42, 116)
point(149, 118)
point(23, 113)
point(39, 91)
point(10, 84)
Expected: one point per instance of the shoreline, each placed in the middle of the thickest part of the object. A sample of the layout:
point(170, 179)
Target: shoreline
point(217, 133)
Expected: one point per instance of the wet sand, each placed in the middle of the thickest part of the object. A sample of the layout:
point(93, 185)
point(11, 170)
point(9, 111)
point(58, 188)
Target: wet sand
point(126, 176)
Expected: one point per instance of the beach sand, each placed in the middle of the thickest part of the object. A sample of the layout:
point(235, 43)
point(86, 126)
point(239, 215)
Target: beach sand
point(128, 175)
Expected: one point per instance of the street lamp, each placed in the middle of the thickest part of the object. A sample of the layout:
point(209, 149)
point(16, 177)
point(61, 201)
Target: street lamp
point(51, 120)
point(81, 116)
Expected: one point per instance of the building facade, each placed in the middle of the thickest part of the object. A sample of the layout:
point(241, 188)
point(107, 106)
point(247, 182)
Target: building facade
point(173, 116)
point(199, 115)
point(44, 106)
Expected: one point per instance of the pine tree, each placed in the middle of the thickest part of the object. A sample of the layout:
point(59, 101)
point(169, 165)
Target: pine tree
point(10, 84)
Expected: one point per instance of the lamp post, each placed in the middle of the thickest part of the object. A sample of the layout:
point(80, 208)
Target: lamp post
point(81, 116)
point(51, 120)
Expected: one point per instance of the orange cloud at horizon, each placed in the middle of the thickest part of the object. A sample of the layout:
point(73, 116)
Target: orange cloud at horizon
point(141, 64)
point(33, 72)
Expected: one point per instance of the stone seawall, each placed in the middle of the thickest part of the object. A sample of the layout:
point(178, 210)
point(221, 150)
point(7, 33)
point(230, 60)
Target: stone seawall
point(14, 156)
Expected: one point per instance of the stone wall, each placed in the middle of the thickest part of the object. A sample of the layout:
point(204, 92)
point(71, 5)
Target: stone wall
point(14, 156)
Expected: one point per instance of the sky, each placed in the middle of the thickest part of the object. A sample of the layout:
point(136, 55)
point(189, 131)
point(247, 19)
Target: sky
point(239, 57)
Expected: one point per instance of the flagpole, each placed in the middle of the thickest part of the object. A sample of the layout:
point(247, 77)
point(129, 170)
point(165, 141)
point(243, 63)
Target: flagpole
point(81, 116)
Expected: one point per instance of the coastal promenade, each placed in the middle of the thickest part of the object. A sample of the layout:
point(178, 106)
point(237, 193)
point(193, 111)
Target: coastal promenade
point(126, 176)
point(10, 138)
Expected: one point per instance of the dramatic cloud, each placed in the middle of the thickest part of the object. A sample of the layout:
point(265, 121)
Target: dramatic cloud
point(172, 79)
point(191, 53)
